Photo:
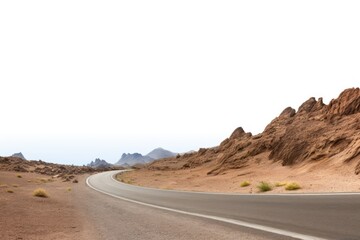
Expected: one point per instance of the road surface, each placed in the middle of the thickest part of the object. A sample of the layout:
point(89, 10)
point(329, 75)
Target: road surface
point(299, 216)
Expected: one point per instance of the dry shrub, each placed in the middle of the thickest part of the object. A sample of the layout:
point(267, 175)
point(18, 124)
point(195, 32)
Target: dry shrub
point(40, 192)
point(292, 186)
point(245, 184)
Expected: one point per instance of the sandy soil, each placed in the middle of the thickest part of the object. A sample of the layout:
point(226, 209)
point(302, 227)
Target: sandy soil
point(311, 178)
point(24, 216)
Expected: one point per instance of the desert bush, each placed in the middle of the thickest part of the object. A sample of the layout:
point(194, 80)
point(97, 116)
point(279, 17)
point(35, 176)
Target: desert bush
point(292, 186)
point(39, 192)
point(245, 184)
point(19, 176)
point(45, 180)
point(280, 184)
point(10, 191)
point(69, 189)
point(15, 185)
point(264, 187)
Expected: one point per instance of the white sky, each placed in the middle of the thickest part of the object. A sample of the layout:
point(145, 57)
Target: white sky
point(87, 79)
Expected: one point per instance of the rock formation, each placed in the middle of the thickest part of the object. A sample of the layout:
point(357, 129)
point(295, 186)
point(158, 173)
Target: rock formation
point(316, 133)
point(137, 158)
point(98, 163)
point(19, 155)
point(65, 172)
point(159, 153)
point(131, 159)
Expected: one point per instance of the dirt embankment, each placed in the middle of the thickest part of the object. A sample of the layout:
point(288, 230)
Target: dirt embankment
point(318, 145)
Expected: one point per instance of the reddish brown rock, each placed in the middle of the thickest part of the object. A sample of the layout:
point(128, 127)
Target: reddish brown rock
point(316, 133)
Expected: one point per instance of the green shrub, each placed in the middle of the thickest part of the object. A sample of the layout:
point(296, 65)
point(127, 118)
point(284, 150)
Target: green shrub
point(264, 187)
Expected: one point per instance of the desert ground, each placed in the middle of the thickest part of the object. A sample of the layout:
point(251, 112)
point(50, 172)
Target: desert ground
point(84, 214)
point(24, 216)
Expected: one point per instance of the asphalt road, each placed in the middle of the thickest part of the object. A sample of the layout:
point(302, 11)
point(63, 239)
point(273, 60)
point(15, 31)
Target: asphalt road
point(302, 216)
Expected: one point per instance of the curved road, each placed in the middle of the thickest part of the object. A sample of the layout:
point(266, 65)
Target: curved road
point(300, 216)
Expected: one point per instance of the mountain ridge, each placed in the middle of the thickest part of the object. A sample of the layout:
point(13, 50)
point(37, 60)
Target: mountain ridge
point(99, 163)
point(137, 158)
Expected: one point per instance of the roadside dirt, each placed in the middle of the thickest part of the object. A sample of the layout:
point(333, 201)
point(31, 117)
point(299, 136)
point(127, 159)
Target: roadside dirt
point(24, 216)
point(83, 213)
point(310, 177)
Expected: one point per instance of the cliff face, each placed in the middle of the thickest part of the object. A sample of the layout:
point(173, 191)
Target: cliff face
point(316, 132)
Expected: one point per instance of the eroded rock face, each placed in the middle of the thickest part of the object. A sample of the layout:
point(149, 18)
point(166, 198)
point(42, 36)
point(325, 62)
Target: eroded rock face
point(287, 113)
point(347, 103)
point(316, 132)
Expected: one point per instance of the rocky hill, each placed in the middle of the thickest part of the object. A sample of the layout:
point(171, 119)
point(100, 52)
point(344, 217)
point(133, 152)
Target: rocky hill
point(130, 159)
point(65, 172)
point(98, 163)
point(316, 134)
point(19, 155)
point(159, 153)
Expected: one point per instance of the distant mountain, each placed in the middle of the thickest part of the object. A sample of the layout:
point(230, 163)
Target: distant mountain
point(160, 153)
point(19, 155)
point(132, 159)
point(136, 158)
point(98, 163)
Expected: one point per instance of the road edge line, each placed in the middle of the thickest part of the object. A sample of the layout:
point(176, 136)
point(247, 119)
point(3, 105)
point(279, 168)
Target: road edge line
point(226, 220)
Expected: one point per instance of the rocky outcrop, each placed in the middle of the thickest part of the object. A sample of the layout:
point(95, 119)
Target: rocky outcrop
point(131, 159)
point(316, 133)
point(65, 172)
point(98, 163)
point(159, 153)
point(347, 103)
point(19, 155)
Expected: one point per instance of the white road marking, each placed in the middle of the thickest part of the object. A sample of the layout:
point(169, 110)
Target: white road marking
point(221, 219)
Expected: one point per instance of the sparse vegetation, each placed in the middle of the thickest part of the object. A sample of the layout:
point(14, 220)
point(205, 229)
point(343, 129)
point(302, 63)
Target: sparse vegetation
point(39, 192)
point(264, 186)
point(45, 180)
point(292, 186)
point(19, 176)
point(245, 184)
point(15, 185)
point(69, 189)
point(128, 181)
point(280, 184)
point(10, 191)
